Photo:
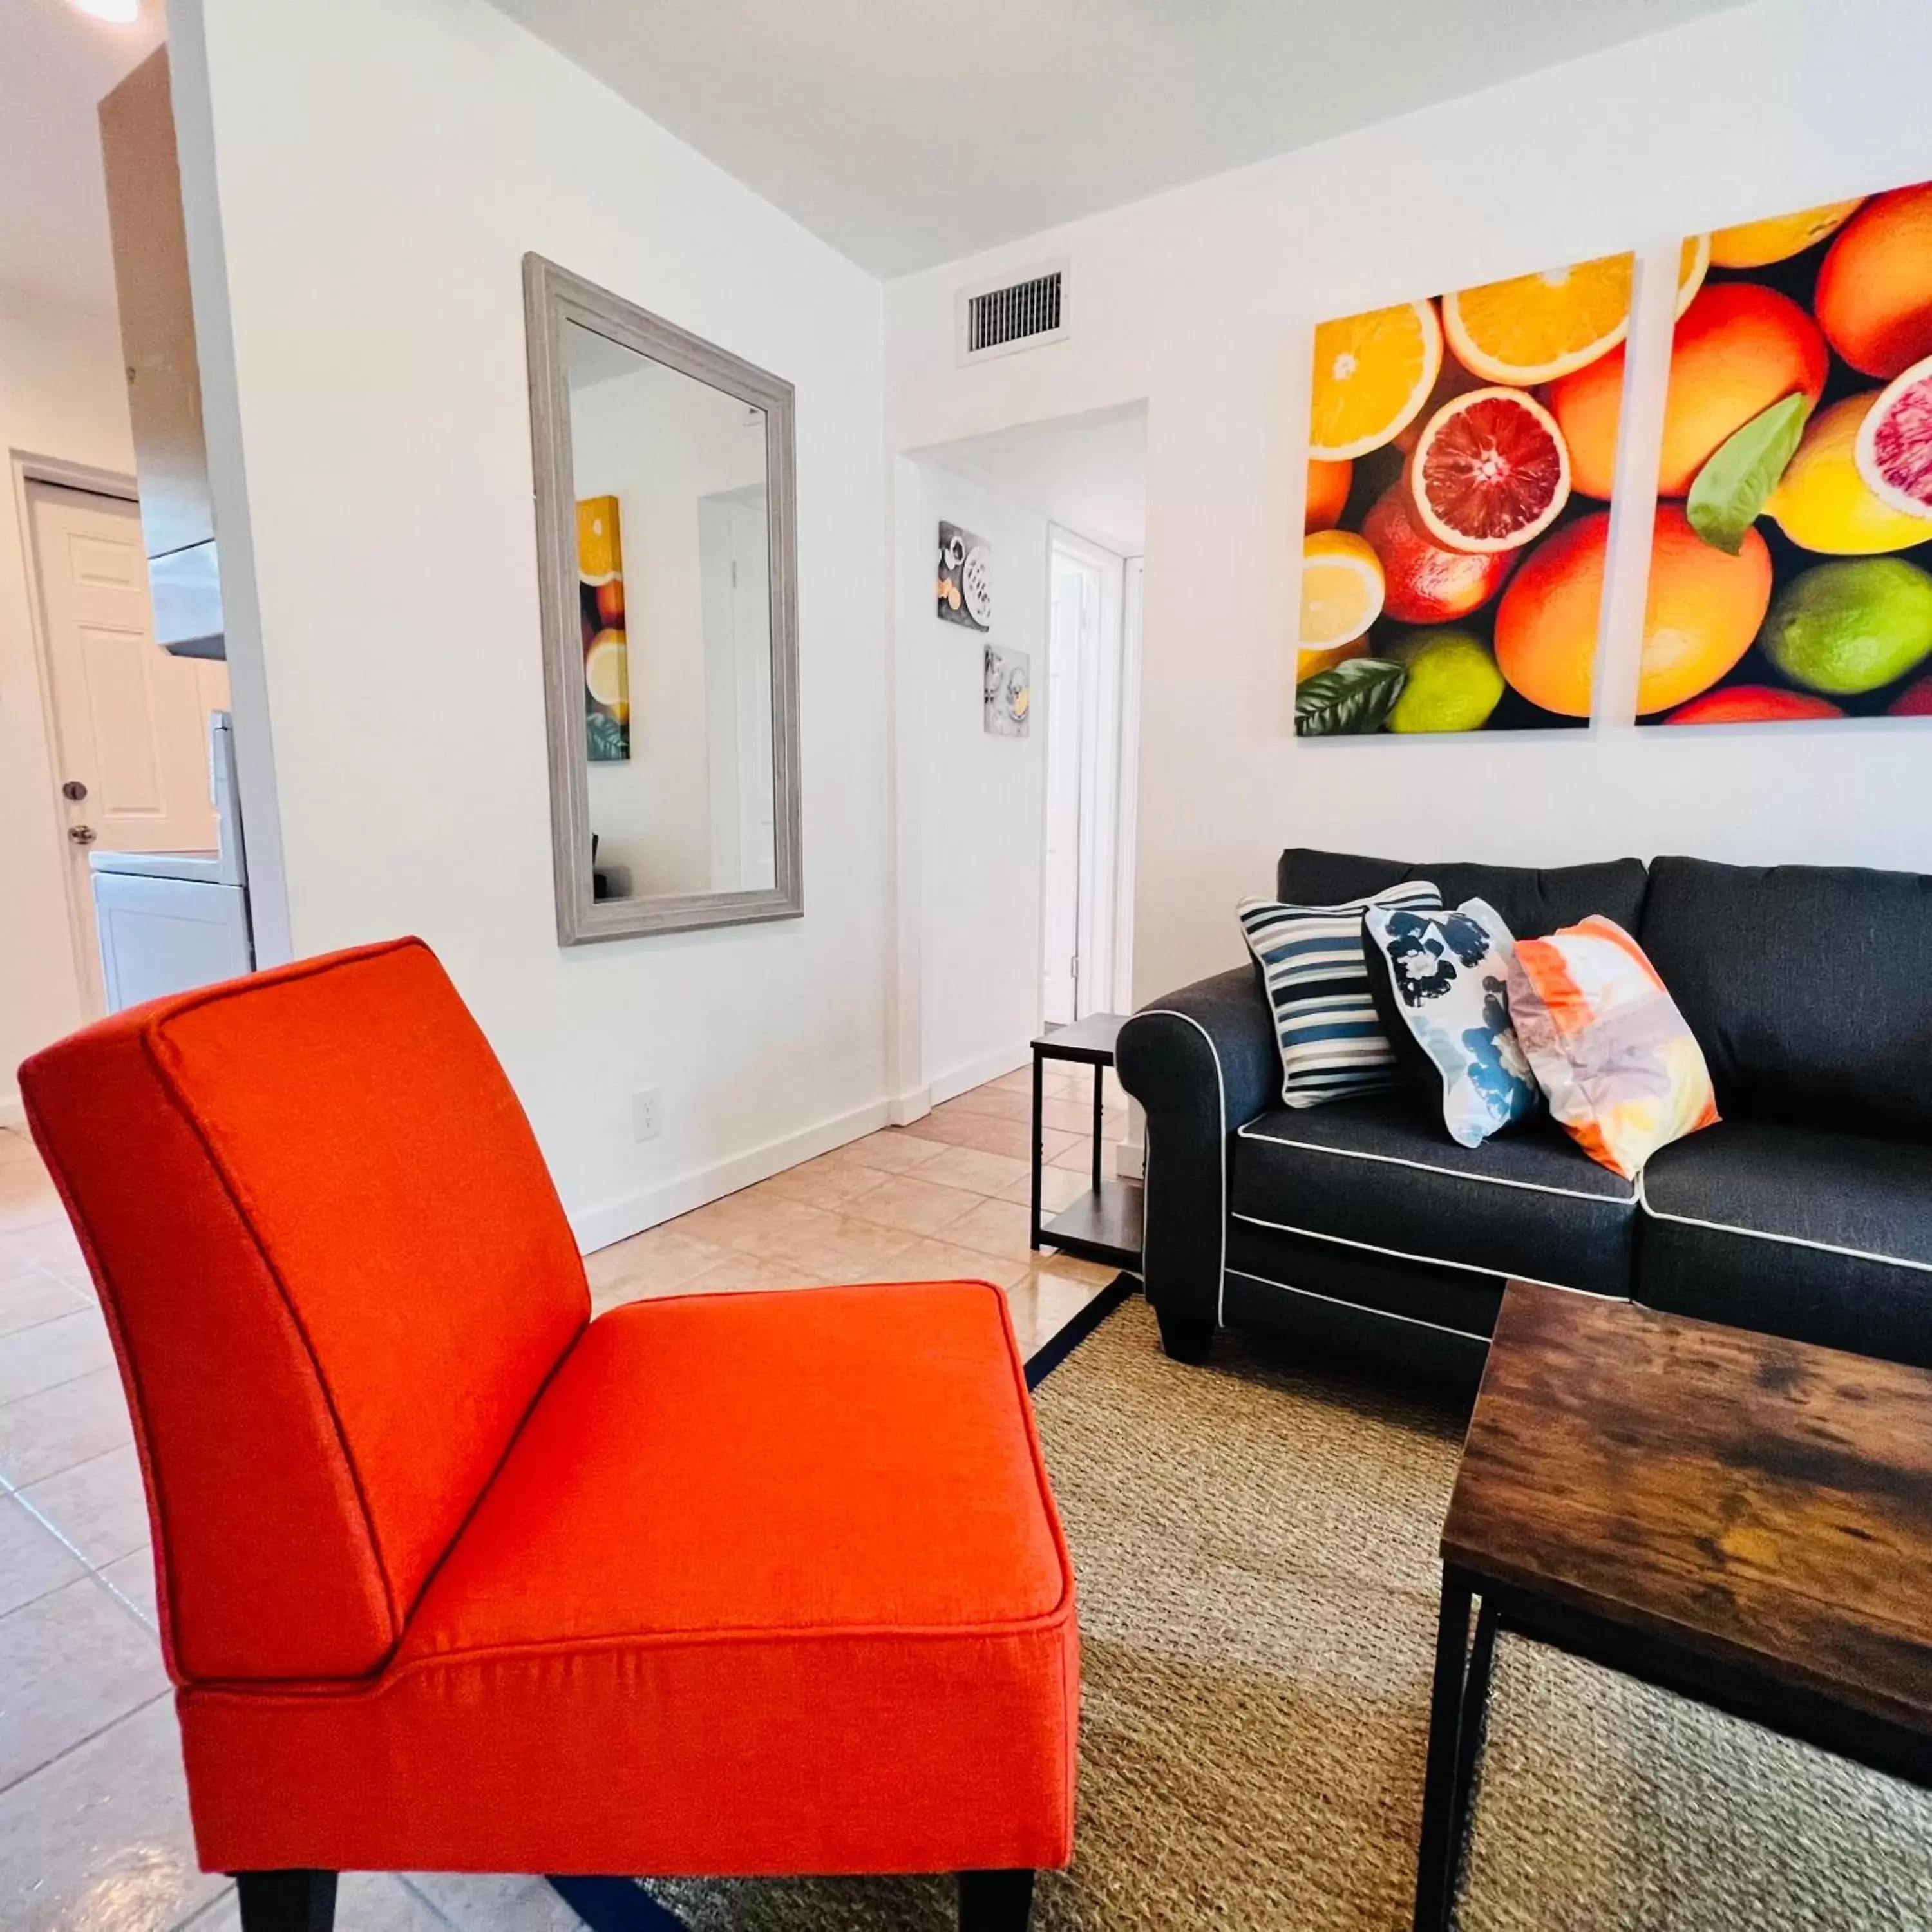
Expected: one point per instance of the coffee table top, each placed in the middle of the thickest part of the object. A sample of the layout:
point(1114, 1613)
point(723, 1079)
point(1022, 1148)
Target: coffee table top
point(1767, 1503)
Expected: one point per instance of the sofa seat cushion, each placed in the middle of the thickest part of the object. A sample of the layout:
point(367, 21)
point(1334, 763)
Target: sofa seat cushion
point(1798, 1230)
point(767, 1583)
point(1382, 1175)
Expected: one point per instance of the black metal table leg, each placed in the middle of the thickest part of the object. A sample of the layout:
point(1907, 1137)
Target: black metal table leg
point(1039, 1066)
point(1471, 1727)
point(1434, 1871)
point(1100, 1117)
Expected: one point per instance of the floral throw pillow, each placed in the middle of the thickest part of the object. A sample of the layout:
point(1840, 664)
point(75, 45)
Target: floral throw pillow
point(1624, 1073)
point(1448, 985)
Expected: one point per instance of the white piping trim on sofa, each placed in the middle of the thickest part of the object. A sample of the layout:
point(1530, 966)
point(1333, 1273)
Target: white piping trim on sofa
point(1360, 1307)
point(1221, 1097)
point(1430, 1167)
point(1430, 1261)
point(1778, 1240)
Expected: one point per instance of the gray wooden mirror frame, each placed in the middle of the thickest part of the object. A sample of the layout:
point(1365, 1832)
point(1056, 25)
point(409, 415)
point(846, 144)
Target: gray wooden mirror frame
point(552, 297)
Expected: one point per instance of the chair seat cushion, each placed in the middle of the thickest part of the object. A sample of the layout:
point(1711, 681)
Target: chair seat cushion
point(1798, 1230)
point(767, 1583)
point(1382, 1175)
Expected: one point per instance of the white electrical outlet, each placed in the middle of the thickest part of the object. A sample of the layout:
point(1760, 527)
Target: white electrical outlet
point(645, 1124)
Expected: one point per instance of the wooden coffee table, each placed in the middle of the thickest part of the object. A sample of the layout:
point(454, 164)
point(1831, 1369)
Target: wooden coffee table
point(1742, 1519)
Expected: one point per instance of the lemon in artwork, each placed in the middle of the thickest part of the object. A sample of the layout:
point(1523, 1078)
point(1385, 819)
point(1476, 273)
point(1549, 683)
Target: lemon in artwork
point(606, 673)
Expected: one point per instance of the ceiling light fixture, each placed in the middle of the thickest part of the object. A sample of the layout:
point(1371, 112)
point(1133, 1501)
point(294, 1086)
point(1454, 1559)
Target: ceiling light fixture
point(119, 13)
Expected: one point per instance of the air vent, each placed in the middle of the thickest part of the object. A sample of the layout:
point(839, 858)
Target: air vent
point(1014, 315)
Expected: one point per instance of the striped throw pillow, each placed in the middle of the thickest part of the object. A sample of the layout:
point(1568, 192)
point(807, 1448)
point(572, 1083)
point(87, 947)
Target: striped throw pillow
point(1332, 1047)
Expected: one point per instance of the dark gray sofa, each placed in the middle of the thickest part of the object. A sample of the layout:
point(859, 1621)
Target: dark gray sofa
point(1806, 1212)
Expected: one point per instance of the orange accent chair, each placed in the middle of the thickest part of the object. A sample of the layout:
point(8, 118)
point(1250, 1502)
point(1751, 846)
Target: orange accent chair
point(453, 1577)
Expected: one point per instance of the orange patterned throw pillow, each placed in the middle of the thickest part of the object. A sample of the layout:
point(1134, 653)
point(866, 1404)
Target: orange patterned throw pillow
point(1622, 1071)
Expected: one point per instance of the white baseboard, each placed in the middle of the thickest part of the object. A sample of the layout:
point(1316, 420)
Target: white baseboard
point(632, 1213)
point(976, 1072)
point(902, 1109)
point(13, 1109)
point(1130, 1160)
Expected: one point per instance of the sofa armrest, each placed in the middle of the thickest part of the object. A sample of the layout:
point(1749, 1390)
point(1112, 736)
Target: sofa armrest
point(1202, 1062)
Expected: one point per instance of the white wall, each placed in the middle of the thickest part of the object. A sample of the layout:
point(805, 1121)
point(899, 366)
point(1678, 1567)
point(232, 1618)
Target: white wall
point(974, 801)
point(381, 166)
point(659, 442)
point(62, 396)
point(1202, 301)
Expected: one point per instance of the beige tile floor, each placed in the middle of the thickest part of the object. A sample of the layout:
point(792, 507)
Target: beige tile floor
point(93, 1833)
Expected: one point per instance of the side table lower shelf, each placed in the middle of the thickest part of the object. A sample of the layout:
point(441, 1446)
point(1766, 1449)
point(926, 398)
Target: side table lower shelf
point(1103, 1224)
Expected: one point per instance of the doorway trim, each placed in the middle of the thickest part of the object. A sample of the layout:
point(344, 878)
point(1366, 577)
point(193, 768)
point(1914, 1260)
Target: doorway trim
point(1127, 796)
point(28, 469)
point(1104, 748)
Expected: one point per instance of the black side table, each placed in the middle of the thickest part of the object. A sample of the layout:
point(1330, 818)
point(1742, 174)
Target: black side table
point(1104, 1225)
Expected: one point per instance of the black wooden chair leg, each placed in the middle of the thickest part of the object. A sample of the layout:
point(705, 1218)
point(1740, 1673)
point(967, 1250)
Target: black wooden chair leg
point(995, 1901)
point(287, 1901)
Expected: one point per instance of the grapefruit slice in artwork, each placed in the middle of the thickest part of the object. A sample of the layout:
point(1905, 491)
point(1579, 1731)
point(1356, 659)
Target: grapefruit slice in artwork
point(1894, 450)
point(1491, 471)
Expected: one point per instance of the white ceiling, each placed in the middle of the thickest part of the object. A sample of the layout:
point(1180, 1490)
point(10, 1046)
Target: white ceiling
point(1088, 473)
point(908, 133)
point(55, 63)
point(905, 134)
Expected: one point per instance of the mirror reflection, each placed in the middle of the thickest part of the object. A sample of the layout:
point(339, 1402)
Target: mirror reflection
point(674, 593)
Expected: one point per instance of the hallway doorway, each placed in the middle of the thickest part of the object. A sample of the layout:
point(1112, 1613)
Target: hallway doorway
point(1082, 889)
point(1017, 859)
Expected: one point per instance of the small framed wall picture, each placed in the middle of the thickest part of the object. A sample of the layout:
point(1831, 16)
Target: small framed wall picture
point(1009, 692)
point(964, 586)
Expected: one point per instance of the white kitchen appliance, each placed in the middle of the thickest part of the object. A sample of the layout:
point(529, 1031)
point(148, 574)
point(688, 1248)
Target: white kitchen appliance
point(171, 921)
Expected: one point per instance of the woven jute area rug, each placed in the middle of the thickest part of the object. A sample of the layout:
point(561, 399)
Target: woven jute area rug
point(1256, 1549)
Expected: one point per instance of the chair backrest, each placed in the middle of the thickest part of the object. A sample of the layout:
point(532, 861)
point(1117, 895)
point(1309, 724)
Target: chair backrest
point(336, 1274)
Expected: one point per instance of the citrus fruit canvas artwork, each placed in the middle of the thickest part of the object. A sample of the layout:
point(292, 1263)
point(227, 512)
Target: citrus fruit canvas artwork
point(1452, 564)
point(1791, 565)
point(607, 650)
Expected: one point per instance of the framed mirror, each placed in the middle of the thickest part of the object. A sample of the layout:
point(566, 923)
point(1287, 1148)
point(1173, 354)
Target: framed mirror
point(666, 565)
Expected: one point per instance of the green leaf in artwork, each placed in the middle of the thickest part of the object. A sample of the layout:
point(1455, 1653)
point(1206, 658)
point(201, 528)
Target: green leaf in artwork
point(604, 738)
point(1737, 481)
point(1347, 700)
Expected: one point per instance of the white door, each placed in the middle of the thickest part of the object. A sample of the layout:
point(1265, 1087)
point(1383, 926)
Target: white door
point(1066, 683)
point(1084, 779)
point(752, 639)
point(130, 722)
point(735, 582)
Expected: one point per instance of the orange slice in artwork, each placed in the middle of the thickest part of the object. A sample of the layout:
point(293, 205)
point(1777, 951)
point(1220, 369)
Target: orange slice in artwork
point(1533, 328)
point(1694, 264)
point(1372, 374)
